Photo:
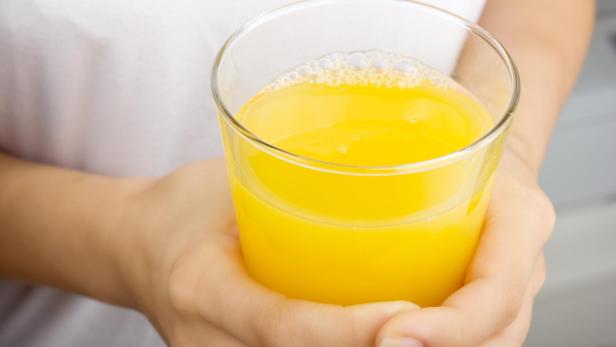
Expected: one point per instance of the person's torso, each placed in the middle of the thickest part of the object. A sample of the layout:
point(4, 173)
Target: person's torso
point(114, 87)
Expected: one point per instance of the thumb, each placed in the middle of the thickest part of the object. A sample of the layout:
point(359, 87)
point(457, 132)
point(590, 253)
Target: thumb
point(331, 325)
point(367, 319)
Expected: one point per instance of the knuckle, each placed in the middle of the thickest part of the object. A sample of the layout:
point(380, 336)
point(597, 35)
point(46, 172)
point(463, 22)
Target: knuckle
point(540, 282)
point(265, 322)
point(546, 207)
point(541, 206)
point(539, 277)
point(511, 304)
point(181, 291)
point(276, 327)
point(511, 309)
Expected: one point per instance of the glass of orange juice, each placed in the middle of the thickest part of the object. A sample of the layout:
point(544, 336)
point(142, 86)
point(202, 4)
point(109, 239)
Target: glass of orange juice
point(361, 138)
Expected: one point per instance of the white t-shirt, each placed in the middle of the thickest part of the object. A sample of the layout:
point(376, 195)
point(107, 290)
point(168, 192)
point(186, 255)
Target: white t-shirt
point(114, 87)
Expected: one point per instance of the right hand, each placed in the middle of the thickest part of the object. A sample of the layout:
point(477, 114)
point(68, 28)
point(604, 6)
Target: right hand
point(494, 307)
point(186, 274)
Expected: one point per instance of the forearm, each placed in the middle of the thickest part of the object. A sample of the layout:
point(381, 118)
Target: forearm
point(547, 40)
point(58, 228)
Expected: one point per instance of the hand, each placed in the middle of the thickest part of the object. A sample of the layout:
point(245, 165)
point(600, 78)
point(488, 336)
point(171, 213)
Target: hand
point(494, 307)
point(192, 283)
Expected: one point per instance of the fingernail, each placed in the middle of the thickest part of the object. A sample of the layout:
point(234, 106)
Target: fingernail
point(400, 342)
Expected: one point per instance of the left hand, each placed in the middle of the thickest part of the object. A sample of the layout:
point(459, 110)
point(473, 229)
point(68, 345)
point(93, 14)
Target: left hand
point(183, 269)
point(494, 307)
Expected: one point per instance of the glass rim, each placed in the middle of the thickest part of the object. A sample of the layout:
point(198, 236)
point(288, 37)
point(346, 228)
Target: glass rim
point(490, 136)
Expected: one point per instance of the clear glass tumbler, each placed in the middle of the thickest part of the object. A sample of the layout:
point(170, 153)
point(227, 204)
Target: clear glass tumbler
point(407, 232)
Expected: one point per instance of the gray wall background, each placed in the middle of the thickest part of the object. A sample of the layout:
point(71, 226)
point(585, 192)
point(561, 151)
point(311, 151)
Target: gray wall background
point(577, 307)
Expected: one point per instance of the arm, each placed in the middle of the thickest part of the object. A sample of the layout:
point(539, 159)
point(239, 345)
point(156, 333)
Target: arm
point(58, 228)
point(548, 41)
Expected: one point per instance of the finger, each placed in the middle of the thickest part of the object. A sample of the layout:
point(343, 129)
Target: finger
point(217, 338)
point(515, 334)
point(516, 229)
point(197, 334)
point(519, 222)
point(258, 317)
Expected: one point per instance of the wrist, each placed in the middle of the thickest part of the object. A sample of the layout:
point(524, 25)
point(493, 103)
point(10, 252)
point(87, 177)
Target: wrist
point(521, 158)
point(65, 228)
point(146, 228)
point(126, 242)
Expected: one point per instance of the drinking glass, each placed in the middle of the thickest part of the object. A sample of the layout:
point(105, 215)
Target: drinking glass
point(405, 232)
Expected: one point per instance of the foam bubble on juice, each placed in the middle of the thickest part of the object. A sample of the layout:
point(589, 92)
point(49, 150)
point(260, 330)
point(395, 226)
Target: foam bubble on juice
point(377, 68)
point(369, 108)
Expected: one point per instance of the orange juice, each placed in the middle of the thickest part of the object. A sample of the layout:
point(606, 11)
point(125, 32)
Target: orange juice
point(326, 228)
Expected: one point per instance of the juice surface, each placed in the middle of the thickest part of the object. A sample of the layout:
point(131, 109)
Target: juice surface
point(347, 238)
